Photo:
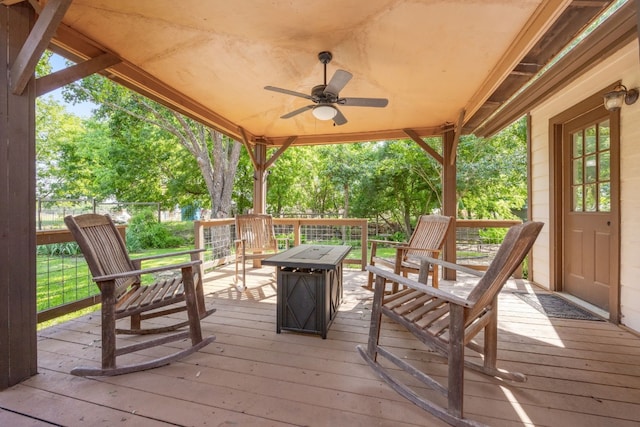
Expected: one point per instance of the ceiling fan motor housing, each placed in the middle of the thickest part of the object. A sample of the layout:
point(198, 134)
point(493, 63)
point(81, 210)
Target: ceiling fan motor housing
point(318, 95)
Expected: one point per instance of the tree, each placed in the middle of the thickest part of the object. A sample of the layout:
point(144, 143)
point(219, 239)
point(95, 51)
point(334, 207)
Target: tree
point(400, 182)
point(55, 128)
point(136, 121)
point(492, 174)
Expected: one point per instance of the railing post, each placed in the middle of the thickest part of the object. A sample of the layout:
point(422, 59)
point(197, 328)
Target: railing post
point(198, 234)
point(364, 234)
point(296, 233)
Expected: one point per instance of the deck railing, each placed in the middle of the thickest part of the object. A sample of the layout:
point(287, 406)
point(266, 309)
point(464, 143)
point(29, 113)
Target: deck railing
point(65, 285)
point(217, 236)
point(475, 247)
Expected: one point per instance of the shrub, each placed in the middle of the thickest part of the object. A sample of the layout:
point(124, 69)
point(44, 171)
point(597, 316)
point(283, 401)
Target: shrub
point(145, 232)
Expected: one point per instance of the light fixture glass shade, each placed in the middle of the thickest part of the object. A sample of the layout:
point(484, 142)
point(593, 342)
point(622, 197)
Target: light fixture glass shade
point(324, 112)
point(613, 100)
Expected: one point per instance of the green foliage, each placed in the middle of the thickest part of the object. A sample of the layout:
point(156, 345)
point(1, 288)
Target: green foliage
point(144, 232)
point(57, 249)
point(492, 235)
point(492, 174)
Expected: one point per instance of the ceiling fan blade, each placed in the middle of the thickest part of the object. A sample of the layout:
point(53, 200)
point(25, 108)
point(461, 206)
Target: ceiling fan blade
point(338, 81)
point(287, 92)
point(296, 112)
point(364, 102)
point(339, 119)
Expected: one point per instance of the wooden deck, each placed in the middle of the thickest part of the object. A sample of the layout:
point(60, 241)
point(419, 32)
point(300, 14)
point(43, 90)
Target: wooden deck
point(581, 373)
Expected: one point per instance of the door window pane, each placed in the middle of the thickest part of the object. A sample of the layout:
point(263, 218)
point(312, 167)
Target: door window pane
point(604, 166)
point(604, 203)
point(577, 171)
point(590, 198)
point(590, 140)
point(577, 198)
point(604, 133)
point(577, 144)
point(590, 168)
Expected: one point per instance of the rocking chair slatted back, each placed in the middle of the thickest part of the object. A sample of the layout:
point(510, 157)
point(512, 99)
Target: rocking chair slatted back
point(104, 249)
point(255, 239)
point(429, 234)
point(257, 232)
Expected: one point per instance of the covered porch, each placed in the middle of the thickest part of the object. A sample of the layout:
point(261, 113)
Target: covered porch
point(579, 372)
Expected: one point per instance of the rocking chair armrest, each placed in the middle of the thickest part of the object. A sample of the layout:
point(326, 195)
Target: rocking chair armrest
point(388, 242)
point(374, 246)
point(452, 266)
point(429, 290)
point(436, 252)
point(131, 273)
point(189, 252)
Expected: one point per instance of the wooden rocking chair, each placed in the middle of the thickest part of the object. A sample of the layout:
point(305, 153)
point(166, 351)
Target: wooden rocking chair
point(426, 240)
point(255, 239)
point(122, 295)
point(447, 323)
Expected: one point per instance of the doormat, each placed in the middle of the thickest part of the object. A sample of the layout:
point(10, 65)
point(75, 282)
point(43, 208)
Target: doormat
point(554, 306)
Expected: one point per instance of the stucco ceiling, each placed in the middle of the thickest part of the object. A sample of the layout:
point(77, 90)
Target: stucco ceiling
point(431, 59)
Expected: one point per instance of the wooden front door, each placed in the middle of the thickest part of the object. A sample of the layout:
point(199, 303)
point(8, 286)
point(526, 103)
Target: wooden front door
point(589, 191)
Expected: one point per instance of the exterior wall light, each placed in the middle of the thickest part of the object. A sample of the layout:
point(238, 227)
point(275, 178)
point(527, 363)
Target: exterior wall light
point(613, 100)
point(324, 112)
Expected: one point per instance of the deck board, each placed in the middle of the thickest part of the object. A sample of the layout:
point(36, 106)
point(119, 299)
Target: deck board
point(579, 372)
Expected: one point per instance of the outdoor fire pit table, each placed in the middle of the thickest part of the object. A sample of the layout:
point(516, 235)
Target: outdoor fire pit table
point(309, 287)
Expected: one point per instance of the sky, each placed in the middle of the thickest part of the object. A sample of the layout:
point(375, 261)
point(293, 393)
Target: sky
point(82, 109)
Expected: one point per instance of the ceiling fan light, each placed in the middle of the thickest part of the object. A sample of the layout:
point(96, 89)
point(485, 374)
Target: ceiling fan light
point(324, 112)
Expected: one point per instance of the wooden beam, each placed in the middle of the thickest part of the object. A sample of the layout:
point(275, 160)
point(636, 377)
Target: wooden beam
point(34, 4)
point(456, 137)
point(544, 16)
point(25, 65)
point(248, 146)
point(426, 147)
point(618, 30)
point(75, 72)
point(281, 150)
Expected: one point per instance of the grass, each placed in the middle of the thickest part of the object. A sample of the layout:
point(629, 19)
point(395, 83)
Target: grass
point(62, 279)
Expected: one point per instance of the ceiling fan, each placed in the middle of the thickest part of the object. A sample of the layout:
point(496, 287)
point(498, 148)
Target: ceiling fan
point(326, 97)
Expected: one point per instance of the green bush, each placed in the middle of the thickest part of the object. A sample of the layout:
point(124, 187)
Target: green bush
point(145, 232)
point(493, 235)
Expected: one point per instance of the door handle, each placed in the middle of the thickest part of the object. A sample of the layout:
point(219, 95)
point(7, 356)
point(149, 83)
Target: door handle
point(608, 222)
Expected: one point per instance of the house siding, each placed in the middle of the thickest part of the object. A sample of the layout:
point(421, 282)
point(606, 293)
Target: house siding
point(623, 65)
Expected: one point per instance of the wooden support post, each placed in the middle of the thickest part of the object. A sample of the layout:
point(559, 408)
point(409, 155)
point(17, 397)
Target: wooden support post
point(260, 179)
point(449, 201)
point(18, 348)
